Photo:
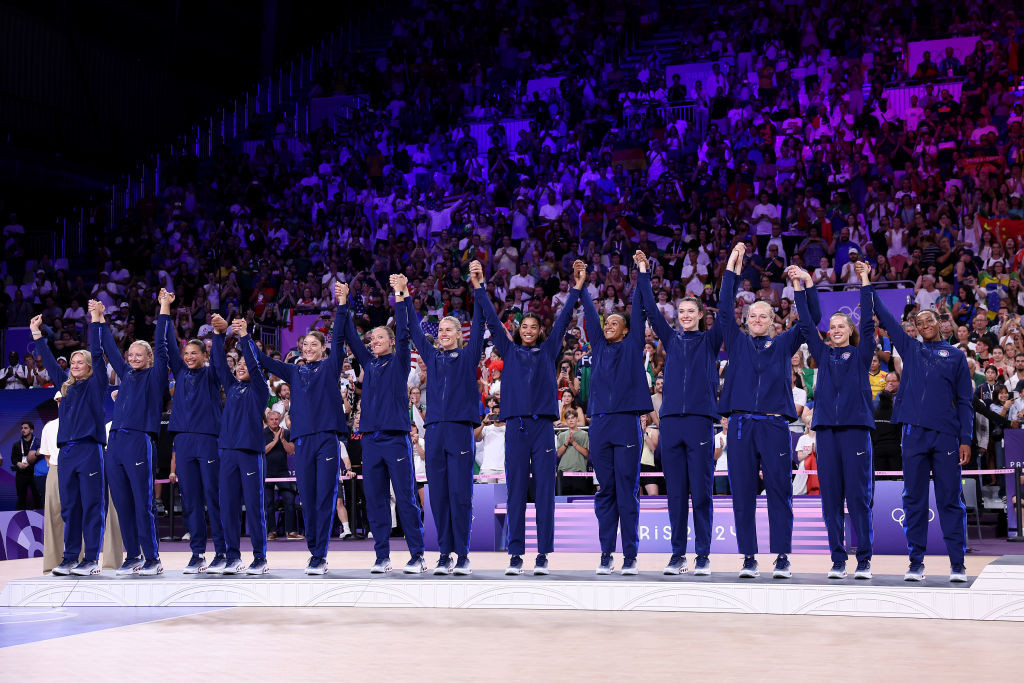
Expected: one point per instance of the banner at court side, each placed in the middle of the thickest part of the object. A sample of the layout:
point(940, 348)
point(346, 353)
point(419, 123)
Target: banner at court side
point(848, 301)
point(1013, 442)
point(22, 534)
point(17, 405)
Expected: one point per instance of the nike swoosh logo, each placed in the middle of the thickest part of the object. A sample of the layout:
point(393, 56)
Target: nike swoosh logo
point(400, 459)
point(861, 452)
point(950, 452)
point(703, 443)
point(210, 462)
point(93, 474)
point(329, 459)
point(632, 445)
point(140, 463)
point(249, 474)
point(463, 452)
point(549, 450)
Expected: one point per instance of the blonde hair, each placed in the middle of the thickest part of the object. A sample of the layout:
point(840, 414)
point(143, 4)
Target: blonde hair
point(460, 342)
point(149, 349)
point(87, 357)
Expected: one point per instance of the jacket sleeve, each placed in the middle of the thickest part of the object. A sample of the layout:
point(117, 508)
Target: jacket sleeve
point(726, 318)
point(337, 356)
point(658, 322)
point(902, 341)
point(173, 349)
point(814, 304)
point(591, 320)
point(638, 318)
point(359, 349)
point(499, 335)
point(219, 361)
point(160, 354)
point(964, 407)
point(866, 347)
point(807, 327)
point(99, 368)
point(57, 375)
point(476, 333)
point(256, 376)
point(113, 353)
point(415, 325)
point(403, 347)
point(554, 340)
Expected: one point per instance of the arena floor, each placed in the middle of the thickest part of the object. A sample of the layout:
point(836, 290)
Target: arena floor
point(483, 645)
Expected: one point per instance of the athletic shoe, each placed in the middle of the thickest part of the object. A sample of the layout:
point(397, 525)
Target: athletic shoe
point(957, 574)
point(606, 566)
point(702, 567)
point(382, 566)
point(676, 565)
point(259, 566)
point(152, 567)
point(297, 536)
point(317, 566)
point(838, 570)
point(540, 567)
point(749, 570)
point(131, 566)
point(217, 566)
point(515, 566)
point(90, 567)
point(415, 565)
point(863, 570)
point(444, 566)
point(462, 567)
point(64, 568)
point(915, 572)
point(272, 536)
point(197, 565)
point(345, 534)
point(629, 567)
point(234, 566)
point(783, 570)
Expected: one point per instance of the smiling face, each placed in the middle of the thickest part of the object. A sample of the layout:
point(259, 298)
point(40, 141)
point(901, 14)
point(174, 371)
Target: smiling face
point(194, 355)
point(615, 329)
point(689, 315)
point(529, 331)
point(759, 318)
point(312, 348)
point(140, 356)
point(448, 334)
point(241, 371)
point(927, 326)
point(839, 330)
point(381, 341)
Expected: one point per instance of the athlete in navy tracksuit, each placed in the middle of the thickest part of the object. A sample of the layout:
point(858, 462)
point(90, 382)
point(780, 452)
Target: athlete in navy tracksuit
point(132, 446)
point(317, 427)
point(618, 396)
point(529, 407)
point(80, 437)
point(843, 421)
point(688, 413)
point(241, 449)
point(933, 407)
point(453, 410)
point(195, 425)
point(758, 397)
point(384, 423)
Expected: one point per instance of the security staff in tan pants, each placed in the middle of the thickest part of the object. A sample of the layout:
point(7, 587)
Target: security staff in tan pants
point(53, 524)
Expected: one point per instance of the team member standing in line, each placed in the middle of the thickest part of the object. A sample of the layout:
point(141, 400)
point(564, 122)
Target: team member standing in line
point(843, 419)
point(688, 413)
point(529, 408)
point(241, 448)
point(453, 411)
point(758, 398)
point(81, 435)
point(195, 425)
point(618, 396)
point(933, 407)
point(317, 428)
point(385, 425)
point(132, 448)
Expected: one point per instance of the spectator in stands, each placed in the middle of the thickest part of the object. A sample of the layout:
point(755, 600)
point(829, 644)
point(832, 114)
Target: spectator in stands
point(572, 447)
point(278, 447)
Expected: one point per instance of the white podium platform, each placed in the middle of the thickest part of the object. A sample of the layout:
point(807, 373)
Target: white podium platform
point(997, 594)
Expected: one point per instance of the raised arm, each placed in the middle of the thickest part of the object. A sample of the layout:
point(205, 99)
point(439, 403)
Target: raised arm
point(476, 332)
point(866, 347)
point(591, 320)
point(42, 347)
point(403, 349)
point(100, 374)
point(499, 335)
point(404, 307)
point(900, 339)
point(114, 356)
point(163, 321)
point(348, 327)
point(805, 322)
point(726, 317)
point(813, 302)
point(643, 286)
point(638, 319)
point(218, 358)
point(248, 348)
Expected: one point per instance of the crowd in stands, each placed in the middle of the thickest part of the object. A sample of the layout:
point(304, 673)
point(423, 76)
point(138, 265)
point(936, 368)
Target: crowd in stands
point(819, 172)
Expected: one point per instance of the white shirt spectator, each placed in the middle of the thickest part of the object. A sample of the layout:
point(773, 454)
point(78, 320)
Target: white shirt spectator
point(926, 299)
point(490, 452)
point(48, 441)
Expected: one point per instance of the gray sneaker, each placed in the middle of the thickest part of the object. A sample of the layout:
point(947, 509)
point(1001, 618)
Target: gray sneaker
point(676, 565)
point(915, 572)
point(382, 566)
point(234, 566)
point(90, 567)
point(132, 565)
point(415, 565)
point(462, 567)
point(64, 568)
point(445, 565)
point(259, 566)
point(152, 567)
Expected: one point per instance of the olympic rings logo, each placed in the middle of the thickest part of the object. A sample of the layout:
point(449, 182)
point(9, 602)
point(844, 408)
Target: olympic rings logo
point(898, 515)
